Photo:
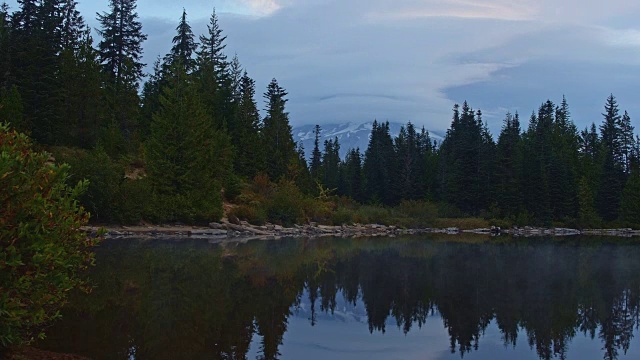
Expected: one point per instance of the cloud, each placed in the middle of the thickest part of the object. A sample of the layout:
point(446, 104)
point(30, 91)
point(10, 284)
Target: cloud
point(262, 7)
point(404, 60)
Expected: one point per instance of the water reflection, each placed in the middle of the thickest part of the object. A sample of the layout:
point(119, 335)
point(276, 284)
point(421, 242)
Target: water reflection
point(192, 300)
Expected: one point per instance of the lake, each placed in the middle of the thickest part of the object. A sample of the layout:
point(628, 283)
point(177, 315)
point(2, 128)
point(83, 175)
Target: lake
point(427, 297)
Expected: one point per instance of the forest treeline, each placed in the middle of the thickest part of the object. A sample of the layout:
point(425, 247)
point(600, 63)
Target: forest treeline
point(173, 145)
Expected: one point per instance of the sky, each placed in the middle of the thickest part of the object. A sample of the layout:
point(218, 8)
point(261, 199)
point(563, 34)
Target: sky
point(411, 60)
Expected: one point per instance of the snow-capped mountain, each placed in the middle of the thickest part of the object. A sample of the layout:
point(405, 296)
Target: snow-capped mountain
point(350, 135)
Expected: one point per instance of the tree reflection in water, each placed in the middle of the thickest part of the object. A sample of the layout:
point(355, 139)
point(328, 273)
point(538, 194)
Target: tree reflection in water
point(192, 300)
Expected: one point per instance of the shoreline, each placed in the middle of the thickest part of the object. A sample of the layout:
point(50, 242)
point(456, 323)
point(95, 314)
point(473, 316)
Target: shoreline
point(243, 231)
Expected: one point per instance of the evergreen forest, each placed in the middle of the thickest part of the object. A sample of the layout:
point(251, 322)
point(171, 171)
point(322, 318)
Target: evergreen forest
point(187, 140)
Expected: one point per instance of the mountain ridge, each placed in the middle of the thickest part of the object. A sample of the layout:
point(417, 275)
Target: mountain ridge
point(350, 135)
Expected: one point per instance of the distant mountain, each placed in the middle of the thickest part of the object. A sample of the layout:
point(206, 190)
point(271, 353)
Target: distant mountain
point(350, 135)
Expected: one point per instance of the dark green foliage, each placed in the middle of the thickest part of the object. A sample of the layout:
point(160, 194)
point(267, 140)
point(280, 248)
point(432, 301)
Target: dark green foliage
point(379, 165)
point(316, 156)
point(285, 205)
point(105, 180)
point(330, 168)
point(5, 46)
point(249, 159)
point(587, 215)
point(213, 75)
point(41, 247)
point(465, 164)
point(630, 205)
point(509, 167)
point(186, 157)
point(11, 109)
point(120, 53)
point(277, 140)
point(612, 177)
point(351, 178)
point(183, 45)
point(81, 94)
point(408, 182)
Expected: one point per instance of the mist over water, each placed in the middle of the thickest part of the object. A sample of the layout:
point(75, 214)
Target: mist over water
point(412, 298)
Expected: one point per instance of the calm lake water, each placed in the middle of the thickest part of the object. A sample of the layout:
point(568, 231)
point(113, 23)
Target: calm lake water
point(404, 298)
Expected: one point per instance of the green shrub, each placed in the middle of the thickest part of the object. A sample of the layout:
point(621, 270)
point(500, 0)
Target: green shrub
point(371, 214)
point(42, 250)
point(416, 214)
point(254, 215)
point(342, 216)
point(285, 206)
point(105, 179)
point(134, 204)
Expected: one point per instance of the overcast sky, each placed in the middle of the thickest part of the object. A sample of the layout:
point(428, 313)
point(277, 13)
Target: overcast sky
point(411, 60)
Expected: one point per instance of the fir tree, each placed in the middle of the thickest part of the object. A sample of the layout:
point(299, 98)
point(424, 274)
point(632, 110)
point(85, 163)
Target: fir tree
point(213, 75)
point(509, 167)
point(612, 163)
point(351, 179)
point(250, 159)
point(407, 153)
point(316, 155)
point(186, 157)
point(82, 94)
point(120, 53)
point(630, 204)
point(11, 108)
point(121, 45)
point(378, 166)
point(627, 141)
point(276, 132)
point(5, 47)
point(183, 45)
point(331, 164)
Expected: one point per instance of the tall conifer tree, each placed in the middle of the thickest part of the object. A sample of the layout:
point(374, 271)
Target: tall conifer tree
point(278, 142)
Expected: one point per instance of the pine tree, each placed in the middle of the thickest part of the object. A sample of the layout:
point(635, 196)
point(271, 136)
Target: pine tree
point(465, 161)
point(212, 47)
point(183, 45)
point(331, 164)
point(235, 75)
point(73, 26)
point(121, 45)
point(627, 141)
point(316, 155)
point(407, 153)
point(11, 108)
point(36, 45)
point(612, 163)
point(186, 157)
point(213, 75)
point(563, 166)
point(509, 167)
point(351, 180)
point(5, 47)
point(630, 204)
point(276, 132)
point(250, 159)
point(427, 167)
point(379, 161)
point(82, 94)
point(120, 53)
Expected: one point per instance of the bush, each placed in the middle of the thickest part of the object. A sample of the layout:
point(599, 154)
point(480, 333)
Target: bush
point(105, 179)
point(370, 214)
point(415, 214)
point(342, 216)
point(42, 250)
point(285, 206)
point(254, 215)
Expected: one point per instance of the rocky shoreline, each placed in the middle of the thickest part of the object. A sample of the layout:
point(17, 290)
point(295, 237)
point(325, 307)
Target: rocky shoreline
point(223, 231)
